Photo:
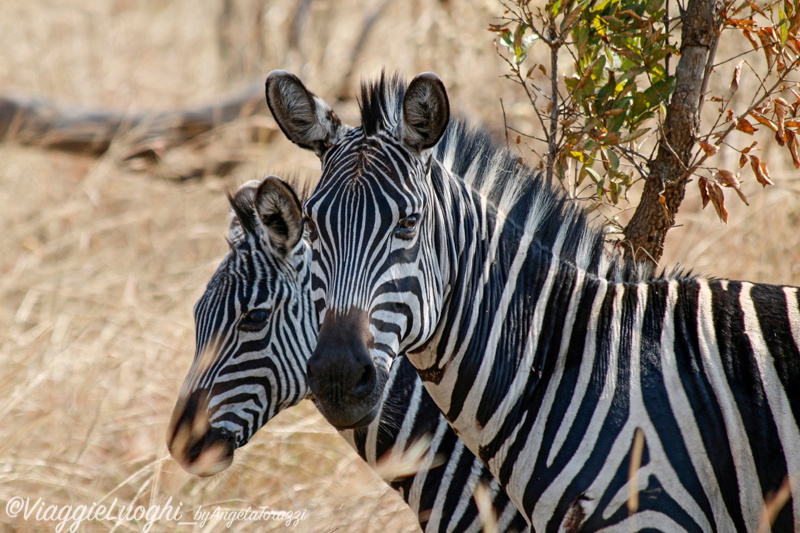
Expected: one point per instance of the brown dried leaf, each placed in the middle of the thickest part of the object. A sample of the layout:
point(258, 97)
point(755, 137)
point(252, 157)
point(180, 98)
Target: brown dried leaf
point(543, 69)
point(632, 14)
point(791, 141)
point(727, 179)
point(702, 183)
point(743, 125)
point(763, 120)
point(709, 149)
point(755, 8)
point(742, 160)
point(749, 37)
point(718, 199)
point(613, 112)
point(760, 170)
point(747, 150)
point(780, 114)
point(571, 17)
point(766, 39)
point(633, 136)
point(737, 72)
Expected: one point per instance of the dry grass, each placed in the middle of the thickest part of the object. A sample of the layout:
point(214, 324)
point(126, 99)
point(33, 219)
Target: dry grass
point(99, 268)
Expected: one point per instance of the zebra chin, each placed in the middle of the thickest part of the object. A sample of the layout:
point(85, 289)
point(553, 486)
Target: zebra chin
point(346, 417)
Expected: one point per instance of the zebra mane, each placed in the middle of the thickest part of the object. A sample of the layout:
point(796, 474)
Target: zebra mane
point(516, 190)
point(381, 103)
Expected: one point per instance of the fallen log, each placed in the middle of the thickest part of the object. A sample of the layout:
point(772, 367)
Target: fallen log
point(38, 122)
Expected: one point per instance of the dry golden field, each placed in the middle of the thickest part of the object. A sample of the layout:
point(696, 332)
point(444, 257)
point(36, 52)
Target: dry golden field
point(100, 266)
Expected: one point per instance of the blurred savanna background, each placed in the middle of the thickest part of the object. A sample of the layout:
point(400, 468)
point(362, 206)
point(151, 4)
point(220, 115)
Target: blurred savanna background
point(103, 256)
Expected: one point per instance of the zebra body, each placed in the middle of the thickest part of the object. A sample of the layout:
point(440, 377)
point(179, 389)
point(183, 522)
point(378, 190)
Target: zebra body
point(545, 353)
point(256, 327)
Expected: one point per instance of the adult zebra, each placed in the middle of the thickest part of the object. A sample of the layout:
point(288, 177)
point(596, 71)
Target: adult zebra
point(256, 328)
point(547, 355)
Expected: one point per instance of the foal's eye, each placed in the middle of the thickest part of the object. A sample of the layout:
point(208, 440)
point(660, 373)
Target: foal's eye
point(312, 228)
point(254, 320)
point(406, 227)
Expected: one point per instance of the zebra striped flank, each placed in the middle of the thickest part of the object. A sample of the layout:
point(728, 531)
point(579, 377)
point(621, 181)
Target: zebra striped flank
point(256, 328)
point(600, 395)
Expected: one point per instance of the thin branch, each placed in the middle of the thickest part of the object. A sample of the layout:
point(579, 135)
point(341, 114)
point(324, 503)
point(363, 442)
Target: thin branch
point(552, 147)
point(707, 74)
point(505, 122)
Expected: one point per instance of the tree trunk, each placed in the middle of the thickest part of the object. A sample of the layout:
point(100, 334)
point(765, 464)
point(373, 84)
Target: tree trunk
point(666, 183)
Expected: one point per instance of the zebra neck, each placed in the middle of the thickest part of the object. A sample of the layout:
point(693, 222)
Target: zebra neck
point(499, 331)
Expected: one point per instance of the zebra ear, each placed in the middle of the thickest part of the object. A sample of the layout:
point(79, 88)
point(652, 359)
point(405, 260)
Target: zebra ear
point(239, 211)
point(279, 210)
point(304, 118)
point(426, 112)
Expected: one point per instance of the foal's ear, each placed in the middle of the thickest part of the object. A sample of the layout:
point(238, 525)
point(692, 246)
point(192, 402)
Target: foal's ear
point(303, 117)
point(426, 112)
point(280, 212)
point(240, 220)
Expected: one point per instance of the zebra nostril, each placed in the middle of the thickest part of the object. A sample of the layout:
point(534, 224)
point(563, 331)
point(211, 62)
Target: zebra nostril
point(366, 383)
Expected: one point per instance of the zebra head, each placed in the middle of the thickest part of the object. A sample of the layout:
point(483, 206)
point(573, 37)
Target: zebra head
point(255, 329)
point(371, 221)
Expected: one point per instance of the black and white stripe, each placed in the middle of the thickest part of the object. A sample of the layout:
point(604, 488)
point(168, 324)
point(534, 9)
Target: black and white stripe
point(244, 377)
point(547, 354)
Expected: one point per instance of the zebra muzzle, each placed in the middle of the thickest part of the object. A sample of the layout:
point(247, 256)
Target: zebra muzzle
point(341, 374)
point(199, 448)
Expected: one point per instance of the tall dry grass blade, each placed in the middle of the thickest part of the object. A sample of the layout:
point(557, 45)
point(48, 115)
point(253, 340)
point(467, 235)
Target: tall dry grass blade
point(399, 464)
point(486, 510)
point(773, 505)
point(633, 471)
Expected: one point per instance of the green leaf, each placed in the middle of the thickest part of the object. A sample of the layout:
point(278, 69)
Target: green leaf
point(783, 27)
point(615, 123)
point(599, 25)
point(613, 159)
point(653, 7)
point(595, 176)
point(581, 34)
point(507, 40)
point(601, 6)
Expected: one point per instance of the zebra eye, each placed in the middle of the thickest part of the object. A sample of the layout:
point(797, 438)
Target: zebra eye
point(254, 320)
point(407, 226)
point(312, 228)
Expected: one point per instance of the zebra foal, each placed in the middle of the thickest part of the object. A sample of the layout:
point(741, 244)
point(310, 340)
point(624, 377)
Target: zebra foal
point(547, 354)
point(255, 329)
